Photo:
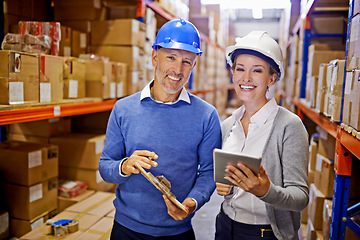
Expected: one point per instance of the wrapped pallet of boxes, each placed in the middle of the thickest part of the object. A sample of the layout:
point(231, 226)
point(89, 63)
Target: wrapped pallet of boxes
point(79, 156)
point(351, 107)
point(100, 79)
point(19, 77)
point(51, 78)
point(74, 78)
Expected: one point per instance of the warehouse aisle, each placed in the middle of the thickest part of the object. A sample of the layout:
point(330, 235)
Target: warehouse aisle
point(204, 219)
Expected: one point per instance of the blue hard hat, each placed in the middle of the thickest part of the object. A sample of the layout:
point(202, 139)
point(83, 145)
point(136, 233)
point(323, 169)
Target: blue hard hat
point(178, 34)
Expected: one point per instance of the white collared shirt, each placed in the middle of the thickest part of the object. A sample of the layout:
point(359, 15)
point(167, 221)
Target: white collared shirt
point(243, 206)
point(147, 93)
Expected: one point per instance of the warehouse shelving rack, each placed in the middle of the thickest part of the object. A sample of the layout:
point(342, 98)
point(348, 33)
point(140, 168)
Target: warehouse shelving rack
point(347, 146)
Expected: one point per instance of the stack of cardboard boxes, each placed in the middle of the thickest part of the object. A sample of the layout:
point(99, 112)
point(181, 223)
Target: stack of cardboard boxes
point(30, 173)
point(39, 153)
point(351, 110)
point(317, 215)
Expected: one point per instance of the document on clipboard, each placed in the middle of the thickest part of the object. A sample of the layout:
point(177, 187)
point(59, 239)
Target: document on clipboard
point(222, 158)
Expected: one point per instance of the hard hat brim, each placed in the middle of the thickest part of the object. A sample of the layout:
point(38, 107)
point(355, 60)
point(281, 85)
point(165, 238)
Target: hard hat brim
point(178, 46)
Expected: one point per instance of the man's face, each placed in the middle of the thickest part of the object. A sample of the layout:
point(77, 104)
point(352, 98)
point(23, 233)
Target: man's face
point(173, 68)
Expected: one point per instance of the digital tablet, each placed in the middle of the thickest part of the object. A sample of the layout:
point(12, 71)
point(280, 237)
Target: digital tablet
point(223, 158)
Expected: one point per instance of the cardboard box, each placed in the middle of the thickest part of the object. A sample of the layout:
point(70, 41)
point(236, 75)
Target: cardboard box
point(326, 145)
point(336, 89)
point(64, 203)
point(325, 175)
point(315, 208)
point(356, 7)
point(74, 78)
point(79, 150)
point(322, 88)
point(131, 55)
point(51, 78)
point(329, 24)
point(43, 128)
point(65, 42)
point(100, 79)
point(90, 176)
point(311, 232)
point(28, 163)
point(313, 150)
point(122, 84)
point(85, 222)
point(327, 212)
point(4, 220)
point(19, 77)
point(31, 202)
point(351, 108)
point(354, 44)
point(130, 32)
point(69, 10)
point(90, 123)
point(71, 188)
point(117, 12)
point(316, 57)
point(99, 204)
point(20, 227)
point(101, 230)
point(79, 43)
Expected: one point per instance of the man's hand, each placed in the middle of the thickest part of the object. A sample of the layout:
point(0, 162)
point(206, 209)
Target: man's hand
point(143, 157)
point(175, 212)
point(223, 189)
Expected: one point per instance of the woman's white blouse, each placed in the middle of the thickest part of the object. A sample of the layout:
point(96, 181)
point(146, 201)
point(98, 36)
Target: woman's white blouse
point(242, 206)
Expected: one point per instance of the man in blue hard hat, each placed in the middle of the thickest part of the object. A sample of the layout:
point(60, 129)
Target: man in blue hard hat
point(167, 131)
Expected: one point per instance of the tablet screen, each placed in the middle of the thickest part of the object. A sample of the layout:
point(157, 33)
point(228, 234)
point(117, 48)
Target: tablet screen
point(223, 158)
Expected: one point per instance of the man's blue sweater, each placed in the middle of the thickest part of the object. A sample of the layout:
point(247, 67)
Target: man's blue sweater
point(183, 135)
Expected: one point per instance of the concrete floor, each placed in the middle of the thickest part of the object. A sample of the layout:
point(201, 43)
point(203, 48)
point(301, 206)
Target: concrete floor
point(204, 220)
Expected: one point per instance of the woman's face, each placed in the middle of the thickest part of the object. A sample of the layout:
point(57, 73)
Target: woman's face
point(251, 77)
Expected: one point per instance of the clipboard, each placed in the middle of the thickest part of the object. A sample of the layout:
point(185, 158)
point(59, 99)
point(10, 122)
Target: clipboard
point(222, 158)
point(163, 185)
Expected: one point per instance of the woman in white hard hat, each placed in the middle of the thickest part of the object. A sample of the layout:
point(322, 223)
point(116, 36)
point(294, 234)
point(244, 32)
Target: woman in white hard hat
point(267, 205)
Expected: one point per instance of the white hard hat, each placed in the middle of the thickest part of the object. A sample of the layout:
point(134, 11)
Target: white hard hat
point(258, 42)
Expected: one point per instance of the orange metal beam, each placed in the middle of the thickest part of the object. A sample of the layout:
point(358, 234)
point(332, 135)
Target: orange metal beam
point(41, 113)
